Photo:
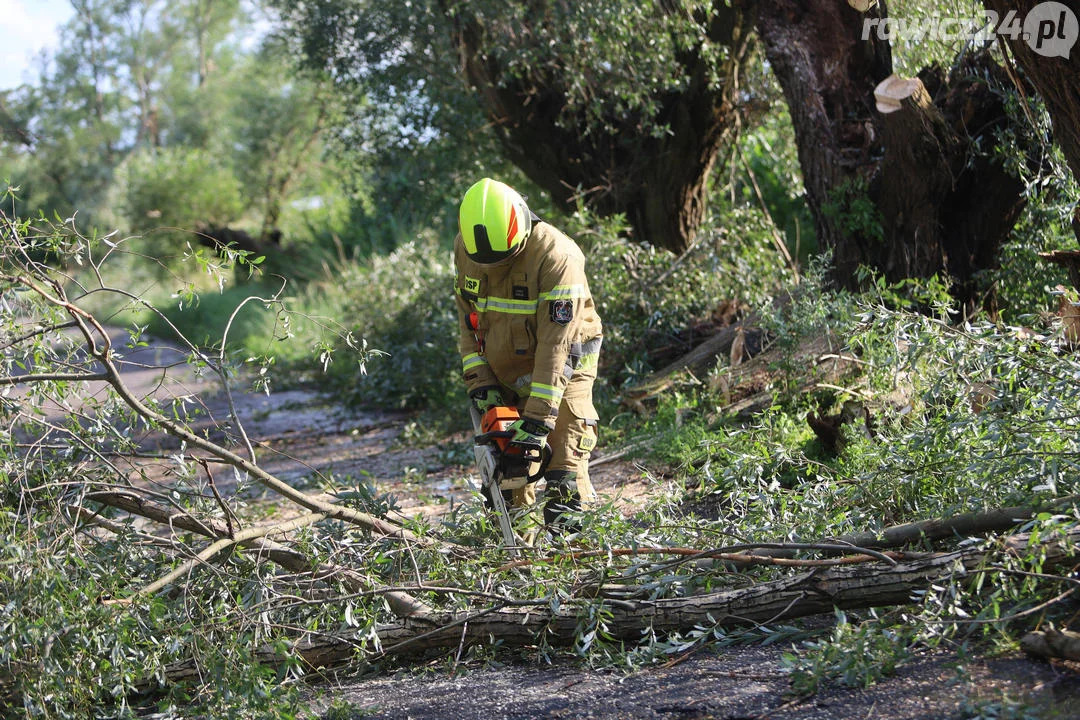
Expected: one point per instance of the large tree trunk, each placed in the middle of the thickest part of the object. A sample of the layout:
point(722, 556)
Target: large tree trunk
point(816, 592)
point(658, 182)
point(892, 177)
point(1055, 78)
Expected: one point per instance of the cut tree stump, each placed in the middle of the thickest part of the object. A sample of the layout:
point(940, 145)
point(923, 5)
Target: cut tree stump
point(894, 91)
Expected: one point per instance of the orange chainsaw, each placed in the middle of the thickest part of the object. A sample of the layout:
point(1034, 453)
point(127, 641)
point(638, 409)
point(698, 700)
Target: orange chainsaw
point(503, 466)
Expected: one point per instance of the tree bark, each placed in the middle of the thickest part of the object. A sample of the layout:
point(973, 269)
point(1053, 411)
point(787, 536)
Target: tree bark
point(1052, 643)
point(903, 192)
point(826, 73)
point(1055, 78)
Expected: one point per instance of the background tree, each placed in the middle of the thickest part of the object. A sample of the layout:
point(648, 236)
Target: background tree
point(623, 105)
point(1055, 79)
point(167, 119)
point(627, 107)
point(906, 186)
point(279, 119)
point(107, 90)
point(209, 21)
point(66, 134)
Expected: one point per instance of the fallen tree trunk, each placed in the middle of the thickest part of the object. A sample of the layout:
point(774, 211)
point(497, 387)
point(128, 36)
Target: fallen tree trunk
point(819, 591)
point(1052, 643)
point(698, 361)
point(958, 526)
point(747, 387)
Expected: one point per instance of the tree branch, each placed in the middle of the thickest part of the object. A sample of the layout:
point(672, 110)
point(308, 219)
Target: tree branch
point(401, 603)
point(103, 354)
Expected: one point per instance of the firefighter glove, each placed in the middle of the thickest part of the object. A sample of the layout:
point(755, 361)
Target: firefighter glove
point(529, 434)
point(486, 398)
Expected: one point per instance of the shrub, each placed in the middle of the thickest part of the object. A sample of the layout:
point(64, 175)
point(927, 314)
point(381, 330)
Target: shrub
point(170, 192)
point(402, 306)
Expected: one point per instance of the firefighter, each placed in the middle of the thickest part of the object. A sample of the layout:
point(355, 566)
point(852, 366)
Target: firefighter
point(530, 336)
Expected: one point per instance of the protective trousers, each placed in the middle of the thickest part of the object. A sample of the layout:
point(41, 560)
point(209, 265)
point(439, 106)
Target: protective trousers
point(571, 441)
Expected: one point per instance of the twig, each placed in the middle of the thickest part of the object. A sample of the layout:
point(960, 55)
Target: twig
point(52, 377)
point(857, 393)
point(400, 601)
point(221, 361)
point(778, 241)
point(91, 518)
point(611, 457)
point(1017, 615)
point(460, 647)
point(229, 514)
point(786, 706)
point(88, 324)
point(677, 262)
point(37, 331)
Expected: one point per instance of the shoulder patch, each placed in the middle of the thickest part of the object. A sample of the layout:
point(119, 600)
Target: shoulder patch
point(472, 285)
point(562, 311)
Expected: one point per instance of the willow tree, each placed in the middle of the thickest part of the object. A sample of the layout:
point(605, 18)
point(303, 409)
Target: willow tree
point(118, 82)
point(623, 105)
point(900, 172)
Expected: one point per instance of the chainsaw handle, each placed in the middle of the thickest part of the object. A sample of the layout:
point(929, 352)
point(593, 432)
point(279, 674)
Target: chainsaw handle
point(543, 455)
point(486, 438)
point(545, 458)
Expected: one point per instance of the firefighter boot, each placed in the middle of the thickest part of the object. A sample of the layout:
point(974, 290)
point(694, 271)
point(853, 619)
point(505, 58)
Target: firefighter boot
point(562, 503)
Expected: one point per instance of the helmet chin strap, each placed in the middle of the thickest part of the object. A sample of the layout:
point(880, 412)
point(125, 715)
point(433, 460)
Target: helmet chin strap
point(510, 256)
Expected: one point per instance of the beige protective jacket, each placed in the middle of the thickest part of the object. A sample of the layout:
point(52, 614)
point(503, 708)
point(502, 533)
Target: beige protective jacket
point(537, 326)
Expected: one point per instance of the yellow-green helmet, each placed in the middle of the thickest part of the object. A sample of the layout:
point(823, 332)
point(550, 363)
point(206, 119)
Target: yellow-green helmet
point(494, 221)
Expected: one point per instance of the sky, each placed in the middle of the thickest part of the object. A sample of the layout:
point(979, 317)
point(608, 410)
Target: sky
point(26, 28)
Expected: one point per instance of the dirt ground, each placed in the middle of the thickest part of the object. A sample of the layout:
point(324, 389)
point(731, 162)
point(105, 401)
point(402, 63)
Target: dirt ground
point(739, 684)
point(297, 435)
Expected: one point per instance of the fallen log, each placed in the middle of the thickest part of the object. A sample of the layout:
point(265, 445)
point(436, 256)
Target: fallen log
point(516, 624)
point(696, 362)
point(746, 387)
point(1052, 643)
point(956, 527)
